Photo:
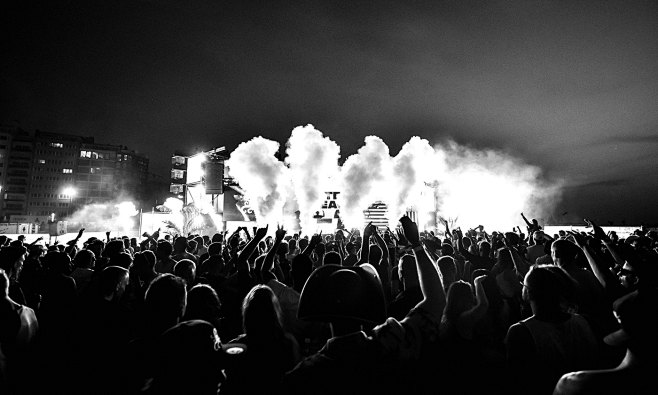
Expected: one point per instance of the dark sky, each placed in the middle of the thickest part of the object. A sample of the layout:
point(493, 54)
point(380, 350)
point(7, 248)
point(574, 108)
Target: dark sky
point(571, 86)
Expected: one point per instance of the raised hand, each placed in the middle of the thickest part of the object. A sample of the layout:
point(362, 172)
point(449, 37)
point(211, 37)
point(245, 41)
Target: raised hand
point(280, 233)
point(368, 230)
point(81, 232)
point(316, 239)
point(260, 232)
point(579, 239)
point(598, 231)
point(410, 230)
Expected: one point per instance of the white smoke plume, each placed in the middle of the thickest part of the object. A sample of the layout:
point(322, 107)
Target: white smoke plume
point(491, 188)
point(413, 167)
point(115, 216)
point(364, 180)
point(262, 176)
point(313, 160)
point(478, 187)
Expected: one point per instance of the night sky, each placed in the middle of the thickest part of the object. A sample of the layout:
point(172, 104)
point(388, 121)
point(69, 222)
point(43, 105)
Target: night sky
point(570, 86)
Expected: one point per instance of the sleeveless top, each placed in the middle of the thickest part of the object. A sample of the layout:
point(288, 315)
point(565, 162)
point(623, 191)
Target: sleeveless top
point(564, 346)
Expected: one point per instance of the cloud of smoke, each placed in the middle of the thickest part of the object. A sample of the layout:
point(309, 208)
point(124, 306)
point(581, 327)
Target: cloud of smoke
point(491, 188)
point(313, 161)
point(364, 177)
point(262, 176)
point(478, 187)
point(413, 167)
point(114, 216)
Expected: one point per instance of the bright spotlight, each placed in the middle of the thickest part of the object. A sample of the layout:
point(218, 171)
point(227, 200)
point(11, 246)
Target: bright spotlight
point(69, 191)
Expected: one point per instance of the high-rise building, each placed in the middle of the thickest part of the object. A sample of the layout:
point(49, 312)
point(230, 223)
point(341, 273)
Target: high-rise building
point(56, 173)
point(52, 185)
point(16, 147)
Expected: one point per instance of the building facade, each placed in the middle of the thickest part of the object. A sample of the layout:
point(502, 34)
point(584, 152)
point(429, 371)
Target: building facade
point(54, 173)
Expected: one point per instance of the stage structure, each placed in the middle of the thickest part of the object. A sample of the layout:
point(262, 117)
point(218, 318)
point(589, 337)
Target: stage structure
point(202, 180)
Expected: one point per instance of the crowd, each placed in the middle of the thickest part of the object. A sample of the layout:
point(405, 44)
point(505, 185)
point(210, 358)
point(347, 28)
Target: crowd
point(367, 311)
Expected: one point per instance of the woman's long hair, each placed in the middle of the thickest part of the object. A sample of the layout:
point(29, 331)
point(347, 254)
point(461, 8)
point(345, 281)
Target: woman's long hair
point(261, 315)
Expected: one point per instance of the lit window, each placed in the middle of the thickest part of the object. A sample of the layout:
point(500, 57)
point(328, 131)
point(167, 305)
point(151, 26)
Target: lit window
point(67, 171)
point(42, 161)
point(57, 145)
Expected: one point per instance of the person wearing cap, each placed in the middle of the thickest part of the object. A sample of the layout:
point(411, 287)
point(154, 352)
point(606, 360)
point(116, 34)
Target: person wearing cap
point(635, 374)
point(349, 298)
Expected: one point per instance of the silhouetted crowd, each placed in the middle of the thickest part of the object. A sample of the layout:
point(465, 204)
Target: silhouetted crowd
point(371, 311)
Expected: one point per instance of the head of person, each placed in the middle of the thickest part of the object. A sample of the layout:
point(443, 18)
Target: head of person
point(458, 300)
point(292, 245)
point(190, 361)
point(636, 314)
point(564, 252)
point(408, 272)
point(332, 258)
point(192, 246)
point(84, 259)
point(203, 304)
point(122, 259)
point(164, 249)
point(261, 315)
point(466, 242)
point(217, 238)
point(303, 243)
point(214, 249)
point(186, 269)
point(165, 301)
point(548, 288)
point(113, 282)
point(539, 237)
point(143, 263)
point(181, 245)
point(345, 297)
point(113, 248)
point(484, 248)
point(512, 238)
point(375, 255)
point(447, 250)
point(11, 260)
point(448, 270)
point(57, 262)
point(96, 246)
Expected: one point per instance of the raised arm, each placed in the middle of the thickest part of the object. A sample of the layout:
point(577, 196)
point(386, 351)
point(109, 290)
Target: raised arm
point(528, 224)
point(470, 317)
point(250, 248)
point(606, 278)
point(520, 265)
point(364, 254)
point(384, 266)
point(600, 234)
point(445, 222)
point(431, 284)
point(315, 240)
point(268, 265)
